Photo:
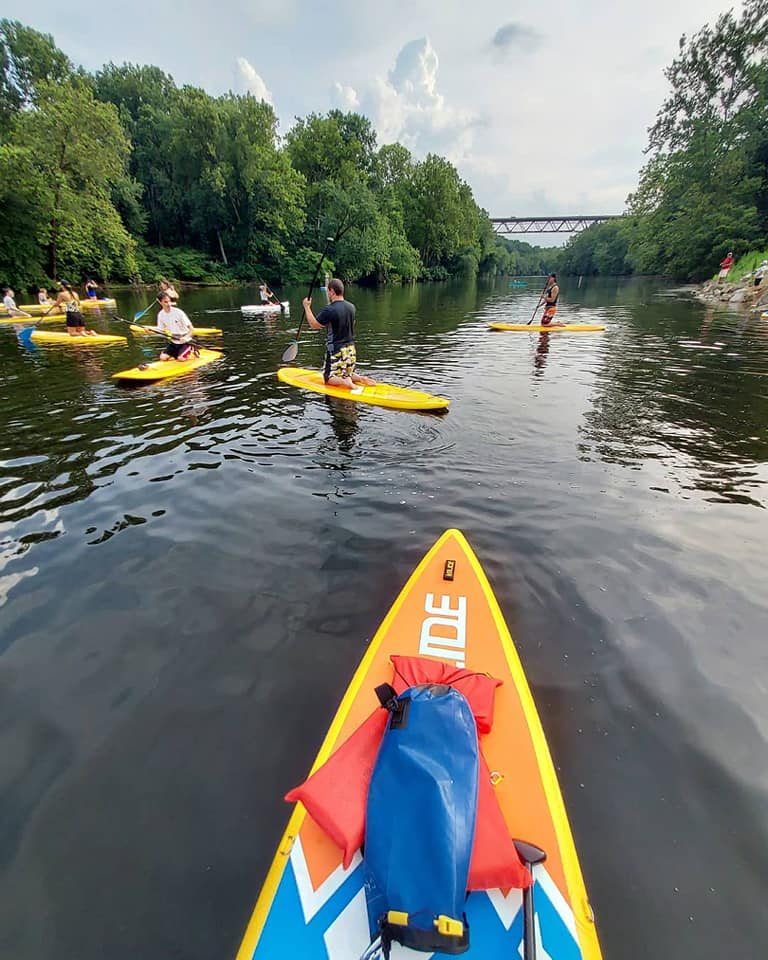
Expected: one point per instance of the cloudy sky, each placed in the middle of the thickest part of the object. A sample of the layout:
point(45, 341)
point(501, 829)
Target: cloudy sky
point(542, 104)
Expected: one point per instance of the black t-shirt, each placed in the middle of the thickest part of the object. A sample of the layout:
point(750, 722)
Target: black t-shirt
point(339, 319)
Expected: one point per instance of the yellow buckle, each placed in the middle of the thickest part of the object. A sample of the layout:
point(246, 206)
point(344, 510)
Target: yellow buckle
point(449, 927)
point(398, 917)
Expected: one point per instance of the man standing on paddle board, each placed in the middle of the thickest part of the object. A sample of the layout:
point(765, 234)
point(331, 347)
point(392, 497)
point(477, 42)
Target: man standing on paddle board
point(550, 298)
point(339, 320)
point(175, 322)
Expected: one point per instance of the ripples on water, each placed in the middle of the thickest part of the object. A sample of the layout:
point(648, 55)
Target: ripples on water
point(183, 562)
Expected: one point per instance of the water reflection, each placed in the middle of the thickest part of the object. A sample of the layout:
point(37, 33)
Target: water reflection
point(540, 357)
point(181, 564)
point(344, 418)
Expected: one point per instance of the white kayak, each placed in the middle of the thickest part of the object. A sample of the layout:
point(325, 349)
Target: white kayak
point(255, 309)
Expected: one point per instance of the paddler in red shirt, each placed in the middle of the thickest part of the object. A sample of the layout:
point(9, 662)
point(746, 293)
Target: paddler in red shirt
point(725, 266)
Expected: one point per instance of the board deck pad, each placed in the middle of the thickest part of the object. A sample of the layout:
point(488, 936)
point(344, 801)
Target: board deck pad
point(311, 907)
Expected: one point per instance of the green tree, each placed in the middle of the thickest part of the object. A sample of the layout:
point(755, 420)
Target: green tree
point(27, 58)
point(22, 202)
point(77, 151)
point(705, 187)
point(600, 250)
point(443, 222)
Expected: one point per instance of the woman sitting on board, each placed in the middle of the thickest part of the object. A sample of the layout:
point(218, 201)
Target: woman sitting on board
point(167, 287)
point(42, 297)
point(10, 304)
point(267, 297)
point(91, 290)
point(340, 357)
point(178, 326)
point(70, 302)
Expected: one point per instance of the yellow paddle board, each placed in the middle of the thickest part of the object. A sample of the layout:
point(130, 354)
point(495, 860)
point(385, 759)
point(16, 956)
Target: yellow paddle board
point(162, 369)
point(312, 907)
point(381, 395)
point(38, 308)
point(51, 317)
point(196, 331)
point(48, 336)
point(550, 328)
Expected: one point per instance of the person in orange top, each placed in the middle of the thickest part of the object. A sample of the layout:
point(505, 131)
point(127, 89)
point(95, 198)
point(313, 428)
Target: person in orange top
point(725, 266)
point(550, 298)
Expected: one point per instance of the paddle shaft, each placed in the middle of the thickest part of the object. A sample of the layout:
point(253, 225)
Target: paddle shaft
point(157, 330)
point(138, 316)
point(530, 855)
point(293, 349)
point(541, 300)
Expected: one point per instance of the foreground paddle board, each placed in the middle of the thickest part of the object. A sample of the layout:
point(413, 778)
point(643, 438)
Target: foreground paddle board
point(163, 369)
point(310, 907)
point(550, 328)
point(48, 336)
point(382, 395)
point(196, 331)
point(255, 309)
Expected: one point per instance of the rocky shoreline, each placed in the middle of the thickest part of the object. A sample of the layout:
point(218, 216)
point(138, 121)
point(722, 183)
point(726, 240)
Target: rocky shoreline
point(742, 292)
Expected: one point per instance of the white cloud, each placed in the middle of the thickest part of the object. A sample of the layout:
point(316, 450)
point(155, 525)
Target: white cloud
point(406, 106)
point(251, 82)
point(344, 97)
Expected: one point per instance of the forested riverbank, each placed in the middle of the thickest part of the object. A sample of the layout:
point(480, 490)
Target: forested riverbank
point(704, 188)
point(122, 174)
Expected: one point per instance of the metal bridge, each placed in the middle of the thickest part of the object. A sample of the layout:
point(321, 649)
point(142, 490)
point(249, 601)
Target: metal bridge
point(509, 225)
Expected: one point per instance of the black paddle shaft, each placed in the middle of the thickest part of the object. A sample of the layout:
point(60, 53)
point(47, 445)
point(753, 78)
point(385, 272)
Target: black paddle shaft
point(541, 298)
point(293, 349)
point(530, 855)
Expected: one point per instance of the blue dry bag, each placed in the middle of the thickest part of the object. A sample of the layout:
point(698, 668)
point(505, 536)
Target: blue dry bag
point(420, 820)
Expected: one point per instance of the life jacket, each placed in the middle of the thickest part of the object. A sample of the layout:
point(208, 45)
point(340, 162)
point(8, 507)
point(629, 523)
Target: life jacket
point(420, 820)
point(335, 795)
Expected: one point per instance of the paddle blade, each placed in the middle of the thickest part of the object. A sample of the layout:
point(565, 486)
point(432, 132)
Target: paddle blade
point(25, 336)
point(290, 354)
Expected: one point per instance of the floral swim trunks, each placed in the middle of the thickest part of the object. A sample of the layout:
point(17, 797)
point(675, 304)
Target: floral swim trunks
point(342, 363)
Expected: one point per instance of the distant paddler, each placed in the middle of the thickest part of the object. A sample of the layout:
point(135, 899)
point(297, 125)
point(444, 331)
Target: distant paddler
point(725, 266)
point(42, 297)
point(68, 300)
point(268, 299)
point(10, 304)
point(91, 290)
point(167, 287)
point(549, 298)
point(178, 326)
point(338, 320)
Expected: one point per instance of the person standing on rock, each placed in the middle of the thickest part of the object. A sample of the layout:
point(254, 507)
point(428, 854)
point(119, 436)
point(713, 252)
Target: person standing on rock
point(725, 266)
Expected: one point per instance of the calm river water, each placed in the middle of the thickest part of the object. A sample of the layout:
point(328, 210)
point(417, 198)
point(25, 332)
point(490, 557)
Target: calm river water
point(189, 574)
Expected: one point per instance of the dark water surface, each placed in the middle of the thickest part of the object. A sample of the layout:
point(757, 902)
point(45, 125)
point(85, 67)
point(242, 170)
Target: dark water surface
point(189, 573)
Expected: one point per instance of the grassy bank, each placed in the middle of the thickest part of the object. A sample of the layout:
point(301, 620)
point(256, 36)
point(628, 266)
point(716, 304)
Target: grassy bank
point(746, 264)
